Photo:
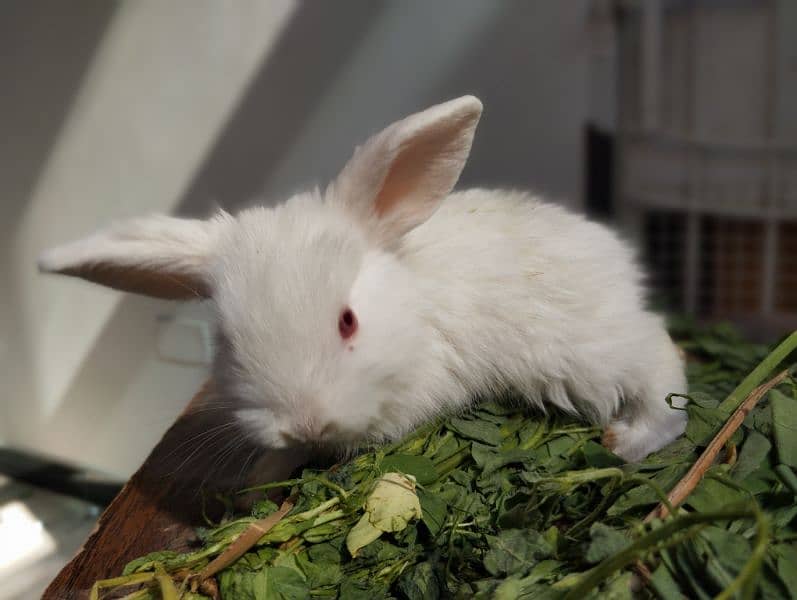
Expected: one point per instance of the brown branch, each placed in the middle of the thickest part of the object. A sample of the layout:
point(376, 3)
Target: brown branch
point(245, 541)
point(689, 482)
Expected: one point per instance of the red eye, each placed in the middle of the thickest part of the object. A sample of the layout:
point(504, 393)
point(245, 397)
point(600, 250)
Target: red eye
point(347, 323)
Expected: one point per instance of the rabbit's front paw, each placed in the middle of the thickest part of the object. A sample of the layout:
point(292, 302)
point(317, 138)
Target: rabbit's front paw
point(633, 440)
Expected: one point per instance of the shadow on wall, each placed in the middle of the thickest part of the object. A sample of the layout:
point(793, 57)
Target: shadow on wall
point(35, 103)
point(33, 107)
point(306, 60)
point(526, 61)
point(342, 69)
point(530, 70)
point(120, 365)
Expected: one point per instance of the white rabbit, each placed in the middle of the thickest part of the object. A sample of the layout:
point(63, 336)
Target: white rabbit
point(357, 313)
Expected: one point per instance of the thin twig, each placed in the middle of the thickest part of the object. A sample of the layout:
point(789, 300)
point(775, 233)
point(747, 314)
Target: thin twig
point(689, 482)
point(245, 541)
point(658, 539)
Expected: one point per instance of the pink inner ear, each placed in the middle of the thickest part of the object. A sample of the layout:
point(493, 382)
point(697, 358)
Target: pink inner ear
point(152, 282)
point(415, 171)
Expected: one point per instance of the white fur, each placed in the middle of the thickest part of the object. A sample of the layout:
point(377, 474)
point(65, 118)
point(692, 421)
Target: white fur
point(158, 242)
point(457, 296)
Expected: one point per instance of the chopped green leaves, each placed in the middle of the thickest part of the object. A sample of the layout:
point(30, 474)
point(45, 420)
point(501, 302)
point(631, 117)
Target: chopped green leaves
point(515, 551)
point(483, 431)
point(420, 467)
point(502, 504)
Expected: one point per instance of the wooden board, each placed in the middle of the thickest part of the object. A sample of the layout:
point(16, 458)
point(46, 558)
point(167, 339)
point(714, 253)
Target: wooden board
point(159, 506)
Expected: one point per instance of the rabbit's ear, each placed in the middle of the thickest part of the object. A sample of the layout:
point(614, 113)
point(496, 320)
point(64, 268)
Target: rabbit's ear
point(398, 178)
point(158, 256)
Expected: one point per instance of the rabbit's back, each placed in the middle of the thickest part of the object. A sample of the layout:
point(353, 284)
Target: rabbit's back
point(489, 245)
point(527, 294)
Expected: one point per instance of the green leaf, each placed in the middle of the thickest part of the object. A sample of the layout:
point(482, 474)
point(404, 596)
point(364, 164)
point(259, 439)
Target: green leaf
point(320, 565)
point(434, 511)
point(642, 495)
point(543, 571)
point(514, 587)
point(147, 561)
point(691, 571)
point(327, 552)
point(599, 456)
point(703, 400)
point(679, 451)
point(509, 589)
point(269, 583)
point(617, 588)
point(279, 583)
point(712, 495)
point(732, 549)
point(787, 564)
point(236, 583)
point(606, 542)
point(771, 586)
point(703, 424)
point(480, 431)
point(665, 586)
point(352, 589)
point(515, 551)
point(263, 508)
point(420, 467)
point(420, 583)
point(490, 459)
point(754, 451)
point(442, 447)
point(558, 446)
point(380, 551)
point(760, 419)
point(784, 421)
point(788, 477)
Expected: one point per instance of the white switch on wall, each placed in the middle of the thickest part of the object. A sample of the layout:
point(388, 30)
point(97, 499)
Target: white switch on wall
point(184, 340)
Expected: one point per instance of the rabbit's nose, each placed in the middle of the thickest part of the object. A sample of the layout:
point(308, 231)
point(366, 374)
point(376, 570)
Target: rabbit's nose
point(309, 432)
point(290, 439)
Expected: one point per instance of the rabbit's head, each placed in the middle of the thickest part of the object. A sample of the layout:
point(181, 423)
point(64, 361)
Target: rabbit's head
point(319, 321)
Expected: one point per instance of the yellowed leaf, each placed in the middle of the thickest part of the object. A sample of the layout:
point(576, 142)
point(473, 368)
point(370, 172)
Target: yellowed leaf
point(391, 506)
point(393, 503)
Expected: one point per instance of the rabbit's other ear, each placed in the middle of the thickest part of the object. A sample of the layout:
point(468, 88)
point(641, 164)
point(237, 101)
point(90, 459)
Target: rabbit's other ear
point(159, 256)
point(398, 178)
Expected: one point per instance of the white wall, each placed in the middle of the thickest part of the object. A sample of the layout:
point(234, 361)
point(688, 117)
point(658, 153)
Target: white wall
point(724, 109)
point(727, 71)
point(786, 71)
point(602, 68)
point(314, 102)
point(186, 105)
point(158, 88)
point(526, 61)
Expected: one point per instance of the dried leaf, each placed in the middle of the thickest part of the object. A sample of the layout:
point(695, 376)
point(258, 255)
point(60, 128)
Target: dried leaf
point(390, 507)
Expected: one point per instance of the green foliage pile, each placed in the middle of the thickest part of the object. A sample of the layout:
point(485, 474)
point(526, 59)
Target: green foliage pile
point(518, 505)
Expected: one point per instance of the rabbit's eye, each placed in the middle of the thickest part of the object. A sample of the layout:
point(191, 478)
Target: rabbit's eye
point(347, 323)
